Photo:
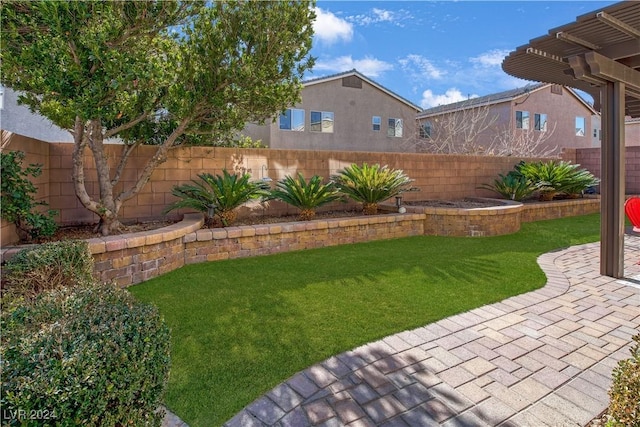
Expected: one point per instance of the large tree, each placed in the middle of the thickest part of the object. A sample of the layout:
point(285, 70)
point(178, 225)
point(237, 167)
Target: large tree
point(151, 72)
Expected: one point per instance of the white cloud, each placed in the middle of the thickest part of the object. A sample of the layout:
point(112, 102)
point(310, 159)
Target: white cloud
point(429, 99)
point(492, 58)
point(329, 29)
point(381, 15)
point(420, 67)
point(368, 66)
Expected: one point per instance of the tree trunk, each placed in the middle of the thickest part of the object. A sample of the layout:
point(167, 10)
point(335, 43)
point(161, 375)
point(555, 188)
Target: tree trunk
point(370, 208)
point(90, 133)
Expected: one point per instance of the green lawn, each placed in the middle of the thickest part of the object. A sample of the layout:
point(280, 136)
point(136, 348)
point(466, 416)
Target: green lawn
point(240, 327)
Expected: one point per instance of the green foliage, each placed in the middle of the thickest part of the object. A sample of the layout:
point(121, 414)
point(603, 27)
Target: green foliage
point(48, 266)
point(90, 356)
point(553, 177)
point(371, 184)
point(624, 409)
point(223, 192)
point(18, 204)
point(547, 178)
point(306, 196)
point(512, 186)
point(156, 72)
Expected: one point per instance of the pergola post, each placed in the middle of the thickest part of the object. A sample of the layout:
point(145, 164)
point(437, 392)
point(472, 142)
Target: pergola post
point(612, 187)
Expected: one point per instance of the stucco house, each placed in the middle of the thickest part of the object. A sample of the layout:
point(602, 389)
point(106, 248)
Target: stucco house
point(19, 119)
point(546, 117)
point(346, 112)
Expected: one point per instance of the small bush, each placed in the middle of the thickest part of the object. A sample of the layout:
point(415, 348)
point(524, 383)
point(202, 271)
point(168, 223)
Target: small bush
point(48, 266)
point(90, 356)
point(624, 409)
point(18, 204)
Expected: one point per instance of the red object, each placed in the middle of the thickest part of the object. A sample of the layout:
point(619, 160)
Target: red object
point(632, 209)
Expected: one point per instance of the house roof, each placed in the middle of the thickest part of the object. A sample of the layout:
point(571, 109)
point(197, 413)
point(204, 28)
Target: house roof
point(355, 72)
point(495, 98)
point(599, 47)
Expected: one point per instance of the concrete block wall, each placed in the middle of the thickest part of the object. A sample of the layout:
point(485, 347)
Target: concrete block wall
point(590, 159)
point(36, 152)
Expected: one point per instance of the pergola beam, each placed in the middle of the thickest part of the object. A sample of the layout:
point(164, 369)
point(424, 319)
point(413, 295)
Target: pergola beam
point(612, 71)
point(619, 25)
point(564, 36)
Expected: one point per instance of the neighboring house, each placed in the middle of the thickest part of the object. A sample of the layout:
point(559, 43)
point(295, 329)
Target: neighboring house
point(345, 112)
point(18, 119)
point(544, 117)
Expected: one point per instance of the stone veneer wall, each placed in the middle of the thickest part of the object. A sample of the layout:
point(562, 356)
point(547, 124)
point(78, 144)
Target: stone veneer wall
point(133, 258)
point(244, 241)
point(539, 211)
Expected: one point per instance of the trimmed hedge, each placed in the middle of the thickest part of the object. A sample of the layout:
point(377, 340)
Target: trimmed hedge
point(83, 355)
point(624, 409)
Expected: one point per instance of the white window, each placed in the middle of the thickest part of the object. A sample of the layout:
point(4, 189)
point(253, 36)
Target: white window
point(522, 120)
point(580, 126)
point(540, 122)
point(292, 119)
point(425, 130)
point(376, 122)
point(321, 121)
point(395, 128)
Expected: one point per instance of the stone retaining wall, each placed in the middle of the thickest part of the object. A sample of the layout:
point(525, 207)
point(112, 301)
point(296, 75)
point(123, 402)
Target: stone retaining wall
point(251, 240)
point(539, 211)
point(133, 258)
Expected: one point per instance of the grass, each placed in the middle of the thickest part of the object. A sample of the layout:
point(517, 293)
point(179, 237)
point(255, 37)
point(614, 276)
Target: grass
point(240, 327)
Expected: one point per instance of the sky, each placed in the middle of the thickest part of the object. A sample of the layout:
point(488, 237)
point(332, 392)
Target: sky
point(433, 53)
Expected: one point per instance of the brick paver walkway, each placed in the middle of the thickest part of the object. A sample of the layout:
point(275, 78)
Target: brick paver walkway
point(539, 359)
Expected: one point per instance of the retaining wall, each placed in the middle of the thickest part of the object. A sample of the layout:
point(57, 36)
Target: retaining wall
point(133, 258)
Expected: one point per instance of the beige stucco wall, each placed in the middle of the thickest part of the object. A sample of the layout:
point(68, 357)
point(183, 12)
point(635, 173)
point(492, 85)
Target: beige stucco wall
point(632, 133)
point(353, 110)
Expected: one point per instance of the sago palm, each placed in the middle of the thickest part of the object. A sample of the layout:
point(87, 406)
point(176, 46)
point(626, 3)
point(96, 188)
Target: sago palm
point(549, 177)
point(221, 194)
point(306, 196)
point(371, 185)
point(512, 186)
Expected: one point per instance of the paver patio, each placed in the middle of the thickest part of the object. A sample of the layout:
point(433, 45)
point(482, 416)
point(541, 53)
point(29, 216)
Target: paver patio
point(539, 359)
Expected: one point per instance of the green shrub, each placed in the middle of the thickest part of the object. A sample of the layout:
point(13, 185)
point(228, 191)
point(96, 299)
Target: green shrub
point(371, 185)
point(90, 356)
point(48, 266)
point(224, 193)
point(306, 196)
point(554, 177)
point(18, 204)
point(624, 409)
point(512, 186)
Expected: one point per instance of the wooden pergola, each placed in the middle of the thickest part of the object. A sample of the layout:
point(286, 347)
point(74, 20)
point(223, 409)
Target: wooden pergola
point(599, 53)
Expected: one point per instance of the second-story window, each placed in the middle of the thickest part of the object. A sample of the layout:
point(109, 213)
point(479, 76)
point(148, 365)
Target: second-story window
point(580, 126)
point(395, 128)
point(522, 120)
point(540, 122)
point(425, 130)
point(292, 119)
point(376, 123)
point(321, 121)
